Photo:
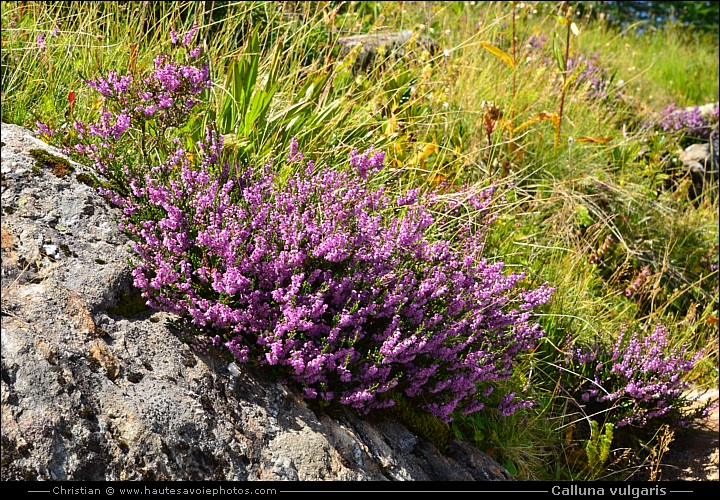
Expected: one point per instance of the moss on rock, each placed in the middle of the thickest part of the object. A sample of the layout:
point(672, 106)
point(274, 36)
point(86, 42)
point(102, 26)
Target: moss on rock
point(44, 159)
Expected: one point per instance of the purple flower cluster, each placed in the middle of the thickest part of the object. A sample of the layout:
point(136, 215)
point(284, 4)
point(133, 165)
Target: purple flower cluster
point(591, 75)
point(638, 380)
point(331, 280)
point(346, 290)
point(537, 42)
point(690, 121)
point(168, 89)
point(136, 116)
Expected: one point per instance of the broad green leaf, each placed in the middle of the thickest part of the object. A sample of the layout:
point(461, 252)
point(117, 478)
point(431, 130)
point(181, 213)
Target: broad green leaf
point(229, 109)
point(252, 61)
point(290, 115)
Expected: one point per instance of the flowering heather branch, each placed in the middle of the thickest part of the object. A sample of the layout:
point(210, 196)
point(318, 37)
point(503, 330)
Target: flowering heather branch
point(638, 381)
point(136, 118)
point(689, 121)
point(344, 290)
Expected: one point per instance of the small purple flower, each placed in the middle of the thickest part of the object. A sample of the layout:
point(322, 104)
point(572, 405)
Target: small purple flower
point(690, 121)
point(537, 41)
point(190, 35)
point(295, 156)
point(43, 129)
point(366, 163)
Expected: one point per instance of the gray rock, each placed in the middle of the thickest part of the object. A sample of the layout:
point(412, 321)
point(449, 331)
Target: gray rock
point(87, 395)
point(705, 109)
point(395, 44)
point(701, 161)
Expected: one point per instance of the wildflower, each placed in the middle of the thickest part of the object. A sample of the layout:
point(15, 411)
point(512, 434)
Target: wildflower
point(646, 374)
point(43, 129)
point(190, 35)
point(40, 41)
point(688, 121)
point(295, 155)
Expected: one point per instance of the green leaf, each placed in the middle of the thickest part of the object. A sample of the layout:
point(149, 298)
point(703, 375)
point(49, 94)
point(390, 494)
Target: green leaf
point(252, 53)
point(557, 52)
point(510, 467)
point(275, 65)
point(229, 109)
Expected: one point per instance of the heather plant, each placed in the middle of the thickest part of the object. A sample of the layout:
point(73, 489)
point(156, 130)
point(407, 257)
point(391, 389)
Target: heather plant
point(317, 277)
point(587, 74)
point(639, 381)
point(690, 122)
point(320, 275)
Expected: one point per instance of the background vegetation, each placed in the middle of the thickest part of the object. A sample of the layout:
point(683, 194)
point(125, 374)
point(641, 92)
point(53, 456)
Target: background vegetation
point(593, 199)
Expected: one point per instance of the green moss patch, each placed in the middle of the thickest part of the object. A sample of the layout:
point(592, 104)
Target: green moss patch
point(45, 160)
point(86, 179)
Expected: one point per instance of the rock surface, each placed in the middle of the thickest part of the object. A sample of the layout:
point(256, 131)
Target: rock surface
point(88, 395)
point(695, 455)
point(701, 160)
point(394, 44)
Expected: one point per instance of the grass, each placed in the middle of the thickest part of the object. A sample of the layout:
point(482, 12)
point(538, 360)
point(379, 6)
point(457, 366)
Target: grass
point(430, 113)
